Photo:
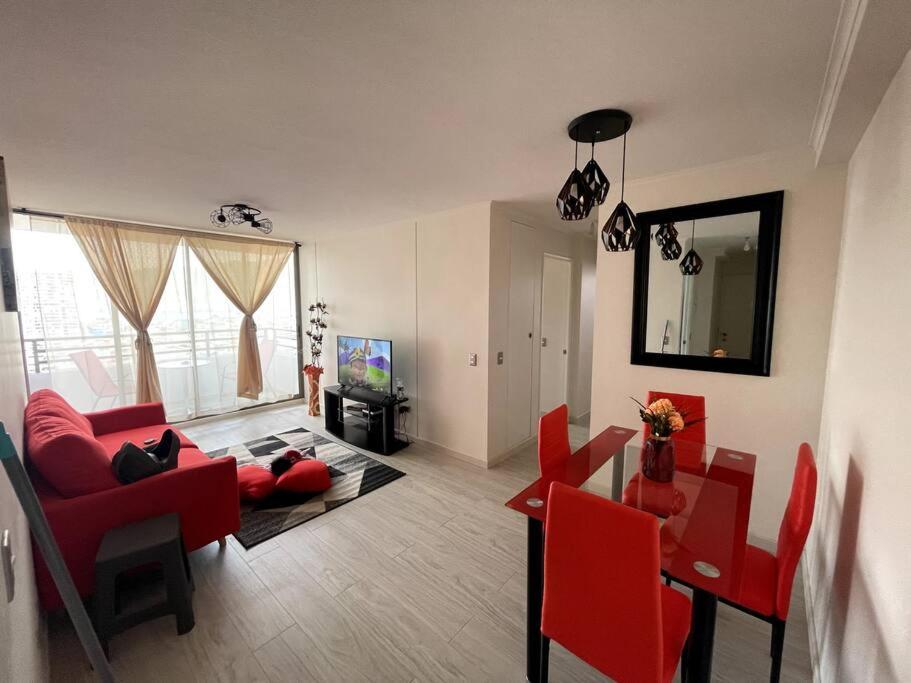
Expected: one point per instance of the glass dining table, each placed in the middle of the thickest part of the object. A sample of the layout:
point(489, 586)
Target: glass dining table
point(704, 512)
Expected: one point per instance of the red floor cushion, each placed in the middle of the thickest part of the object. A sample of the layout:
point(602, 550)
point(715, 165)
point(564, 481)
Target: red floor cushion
point(254, 482)
point(306, 476)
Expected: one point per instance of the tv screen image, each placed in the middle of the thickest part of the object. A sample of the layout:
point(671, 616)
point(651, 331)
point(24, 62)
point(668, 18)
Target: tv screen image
point(365, 362)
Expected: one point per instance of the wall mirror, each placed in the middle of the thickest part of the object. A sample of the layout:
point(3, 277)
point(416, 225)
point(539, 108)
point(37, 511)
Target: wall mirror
point(704, 289)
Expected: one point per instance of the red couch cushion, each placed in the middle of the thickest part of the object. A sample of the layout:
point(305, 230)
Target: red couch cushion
point(114, 440)
point(62, 448)
point(306, 476)
point(254, 482)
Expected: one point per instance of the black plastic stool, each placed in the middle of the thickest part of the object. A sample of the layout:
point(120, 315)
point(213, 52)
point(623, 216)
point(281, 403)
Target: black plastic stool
point(155, 541)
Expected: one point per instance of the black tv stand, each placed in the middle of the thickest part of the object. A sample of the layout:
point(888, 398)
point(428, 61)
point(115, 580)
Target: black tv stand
point(371, 425)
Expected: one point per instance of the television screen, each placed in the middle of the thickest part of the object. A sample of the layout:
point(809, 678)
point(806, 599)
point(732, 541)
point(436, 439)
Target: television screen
point(364, 362)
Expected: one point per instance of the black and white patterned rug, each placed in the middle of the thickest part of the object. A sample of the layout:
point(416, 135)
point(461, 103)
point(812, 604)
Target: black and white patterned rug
point(352, 475)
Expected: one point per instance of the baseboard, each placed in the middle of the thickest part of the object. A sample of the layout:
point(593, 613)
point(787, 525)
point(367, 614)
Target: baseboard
point(507, 454)
point(443, 450)
point(811, 621)
point(574, 419)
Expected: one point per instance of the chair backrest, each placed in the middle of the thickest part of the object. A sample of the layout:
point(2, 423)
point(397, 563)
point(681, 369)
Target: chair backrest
point(94, 373)
point(692, 407)
point(553, 438)
point(795, 526)
point(602, 593)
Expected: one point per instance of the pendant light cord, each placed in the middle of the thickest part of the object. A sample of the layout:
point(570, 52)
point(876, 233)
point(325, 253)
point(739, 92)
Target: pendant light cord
point(576, 162)
point(623, 171)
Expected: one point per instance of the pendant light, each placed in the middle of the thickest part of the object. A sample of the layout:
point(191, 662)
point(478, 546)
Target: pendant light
point(575, 200)
point(621, 233)
point(670, 247)
point(595, 179)
point(691, 263)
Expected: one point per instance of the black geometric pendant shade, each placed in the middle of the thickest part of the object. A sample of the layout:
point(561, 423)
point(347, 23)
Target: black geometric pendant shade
point(575, 200)
point(620, 233)
point(691, 263)
point(665, 233)
point(671, 250)
point(595, 179)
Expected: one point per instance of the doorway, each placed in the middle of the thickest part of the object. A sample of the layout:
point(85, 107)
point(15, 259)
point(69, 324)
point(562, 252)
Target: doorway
point(556, 311)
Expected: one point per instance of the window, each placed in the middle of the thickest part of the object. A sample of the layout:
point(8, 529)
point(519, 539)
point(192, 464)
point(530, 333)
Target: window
point(77, 344)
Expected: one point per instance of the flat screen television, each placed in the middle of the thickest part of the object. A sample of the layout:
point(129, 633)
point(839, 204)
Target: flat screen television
point(365, 362)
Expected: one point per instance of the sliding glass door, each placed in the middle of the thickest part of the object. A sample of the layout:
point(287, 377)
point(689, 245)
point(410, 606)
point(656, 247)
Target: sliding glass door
point(77, 344)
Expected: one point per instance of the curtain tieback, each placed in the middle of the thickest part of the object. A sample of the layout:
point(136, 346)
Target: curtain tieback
point(142, 337)
point(251, 324)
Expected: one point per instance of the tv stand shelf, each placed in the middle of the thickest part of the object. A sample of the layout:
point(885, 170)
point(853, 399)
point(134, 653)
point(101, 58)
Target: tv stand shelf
point(370, 426)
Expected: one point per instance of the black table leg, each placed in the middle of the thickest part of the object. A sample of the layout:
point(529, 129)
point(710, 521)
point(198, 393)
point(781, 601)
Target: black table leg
point(702, 637)
point(535, 594)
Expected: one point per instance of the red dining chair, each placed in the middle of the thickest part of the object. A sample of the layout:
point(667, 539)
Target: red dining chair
point(767, 578)
point(603, 598)
point(553, 438)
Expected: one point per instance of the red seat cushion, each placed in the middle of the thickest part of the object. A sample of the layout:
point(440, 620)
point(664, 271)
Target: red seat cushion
point(306, 476)
point(112, 441)
point(675, 626)
point(62, 448)
point(760, 574)
point(254, 482)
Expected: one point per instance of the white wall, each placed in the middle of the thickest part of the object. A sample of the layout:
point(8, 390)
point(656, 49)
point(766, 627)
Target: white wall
point(769, 416)
point(22, 631)
point(422, 283)
point(860, 547)
point(541, 240)
point(580, 382)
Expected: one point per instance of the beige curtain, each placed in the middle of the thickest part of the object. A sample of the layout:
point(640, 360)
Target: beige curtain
point(245, 270)
point(132, 263)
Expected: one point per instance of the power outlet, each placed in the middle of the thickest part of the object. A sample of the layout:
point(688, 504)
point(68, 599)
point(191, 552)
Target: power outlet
point(473, 359)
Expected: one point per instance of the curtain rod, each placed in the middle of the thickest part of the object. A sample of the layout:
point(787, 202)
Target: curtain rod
point(47, 214)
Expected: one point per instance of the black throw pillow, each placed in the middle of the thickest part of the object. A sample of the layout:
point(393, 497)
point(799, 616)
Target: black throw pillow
point(131, 464)
point(166, 450)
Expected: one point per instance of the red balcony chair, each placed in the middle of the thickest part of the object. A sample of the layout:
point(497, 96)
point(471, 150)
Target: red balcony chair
point(603, 598)
point(97, 377)
point(553, 438)
point(767, 578)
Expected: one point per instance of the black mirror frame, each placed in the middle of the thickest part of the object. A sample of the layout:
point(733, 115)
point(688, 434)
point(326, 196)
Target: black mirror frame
point(769, 205)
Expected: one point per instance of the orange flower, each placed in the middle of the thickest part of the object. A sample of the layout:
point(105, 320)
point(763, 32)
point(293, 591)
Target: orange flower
point(662, 406)
point(675, 420)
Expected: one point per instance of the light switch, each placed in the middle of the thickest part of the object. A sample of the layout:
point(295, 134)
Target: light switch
point(472, 359)
point(499, 358)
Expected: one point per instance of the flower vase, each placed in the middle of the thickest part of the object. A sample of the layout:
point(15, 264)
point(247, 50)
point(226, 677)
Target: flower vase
point(658, 458)
point(313, 373)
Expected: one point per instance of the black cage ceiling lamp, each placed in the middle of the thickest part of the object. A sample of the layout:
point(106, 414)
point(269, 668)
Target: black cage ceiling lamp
point(666, 238)
point(691, 263)
point(575, 200)
point(237, 214)
point(621, 233)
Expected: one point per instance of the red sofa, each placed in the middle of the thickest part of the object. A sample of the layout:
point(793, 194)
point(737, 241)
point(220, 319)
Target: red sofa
point(69, 459)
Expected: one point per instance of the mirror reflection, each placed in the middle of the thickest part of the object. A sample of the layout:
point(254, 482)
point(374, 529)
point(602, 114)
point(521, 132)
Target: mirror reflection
point(701, 303)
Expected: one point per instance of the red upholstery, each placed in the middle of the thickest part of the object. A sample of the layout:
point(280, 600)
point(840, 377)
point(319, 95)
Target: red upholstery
point(553, 438)
point(254, 482)
point(768, 578)
point(127, 417)
point(305, 476)
point(112, 441)
point(603, 598)
point(691, 407)
point(202, 490)
point(62, 448)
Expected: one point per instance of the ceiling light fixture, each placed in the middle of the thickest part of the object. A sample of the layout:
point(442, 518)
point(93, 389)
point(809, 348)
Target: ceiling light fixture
point(595, 179)
point(691, 263)
point(666, 238)
point(575, 200)
point(746, 244)
point(621, 233)
point(236, 214)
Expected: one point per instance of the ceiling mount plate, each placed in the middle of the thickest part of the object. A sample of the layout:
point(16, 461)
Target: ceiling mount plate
point(598, 126)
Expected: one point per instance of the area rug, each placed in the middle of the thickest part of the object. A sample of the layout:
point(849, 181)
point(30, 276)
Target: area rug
point(353, 475)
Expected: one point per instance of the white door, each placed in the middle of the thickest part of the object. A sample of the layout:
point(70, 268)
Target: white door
point(523, 274)
point(556, 288)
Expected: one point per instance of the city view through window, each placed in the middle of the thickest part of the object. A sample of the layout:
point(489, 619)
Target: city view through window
point(77, 344)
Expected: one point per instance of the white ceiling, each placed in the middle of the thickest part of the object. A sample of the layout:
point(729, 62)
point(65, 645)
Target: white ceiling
point(333, 115)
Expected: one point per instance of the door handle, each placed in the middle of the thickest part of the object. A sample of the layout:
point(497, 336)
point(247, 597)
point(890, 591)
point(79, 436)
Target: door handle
point(7, 560)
